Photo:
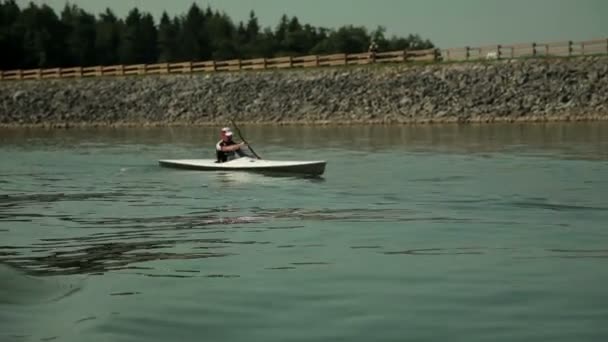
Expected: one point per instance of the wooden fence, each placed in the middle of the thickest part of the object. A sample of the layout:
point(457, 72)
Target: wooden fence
point(556, 49)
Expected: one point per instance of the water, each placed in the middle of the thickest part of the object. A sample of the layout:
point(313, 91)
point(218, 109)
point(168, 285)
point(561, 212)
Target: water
point(429, 233)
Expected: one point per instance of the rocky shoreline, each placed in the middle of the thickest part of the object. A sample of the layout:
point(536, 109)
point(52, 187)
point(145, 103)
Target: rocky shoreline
point(536, 90)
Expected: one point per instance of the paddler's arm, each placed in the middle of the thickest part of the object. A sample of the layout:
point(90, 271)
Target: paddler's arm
point(232, 147)
point(242, 152)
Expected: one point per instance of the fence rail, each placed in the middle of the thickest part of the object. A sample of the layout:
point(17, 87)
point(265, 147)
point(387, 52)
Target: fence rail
point(553, 49)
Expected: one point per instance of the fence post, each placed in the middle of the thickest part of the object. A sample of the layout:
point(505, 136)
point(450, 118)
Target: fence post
point(38, 73)
point(468, 52)
point(583, 48)
point(498, 51)
point(79, 72)
point(239, 63)
point(534, 49)
point(121, 70)
point(546, 50)
point(569, 48)
point(58, 73)
point(264, 63)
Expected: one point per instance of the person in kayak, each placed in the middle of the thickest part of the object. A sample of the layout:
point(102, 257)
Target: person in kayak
point(227, 149)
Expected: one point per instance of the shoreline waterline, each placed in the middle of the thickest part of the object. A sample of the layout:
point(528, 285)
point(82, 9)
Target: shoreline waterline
point(482, 120)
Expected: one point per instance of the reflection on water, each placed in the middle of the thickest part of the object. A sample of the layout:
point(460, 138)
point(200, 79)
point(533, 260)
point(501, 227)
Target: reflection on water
point(239, 178)
point(575, 140)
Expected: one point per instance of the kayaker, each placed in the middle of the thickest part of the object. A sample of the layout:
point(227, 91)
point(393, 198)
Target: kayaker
point(227, 149)
point(224, 130)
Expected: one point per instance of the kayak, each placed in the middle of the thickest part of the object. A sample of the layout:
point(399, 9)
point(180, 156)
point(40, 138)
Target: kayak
point(248, 164)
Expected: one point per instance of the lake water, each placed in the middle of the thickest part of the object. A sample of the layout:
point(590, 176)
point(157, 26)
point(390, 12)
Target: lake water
point(418, 233)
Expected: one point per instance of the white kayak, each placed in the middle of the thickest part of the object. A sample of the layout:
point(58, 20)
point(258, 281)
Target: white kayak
point(248, 164)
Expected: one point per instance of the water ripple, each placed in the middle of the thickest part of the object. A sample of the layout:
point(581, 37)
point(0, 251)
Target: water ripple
point(115, 243)
point(553, 206)
point(118, 242)
point(21, 199)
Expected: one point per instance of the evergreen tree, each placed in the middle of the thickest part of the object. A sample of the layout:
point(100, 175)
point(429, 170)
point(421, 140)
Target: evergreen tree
point(42, 38)
point(193, 38)
point(11, 43)
point(222, 33)
point(147, 49)
point(81, 35)
point(167, 39)
point(253, 28)
point(107, 41)
point(281, 30)
point(266, 45)
point(131, 32)
point(35, 36)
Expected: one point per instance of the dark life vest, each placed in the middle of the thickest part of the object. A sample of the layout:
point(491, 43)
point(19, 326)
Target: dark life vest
point(221, 155)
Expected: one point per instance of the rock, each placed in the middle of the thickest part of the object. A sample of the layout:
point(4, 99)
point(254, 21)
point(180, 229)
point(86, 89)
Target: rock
point(451, 92)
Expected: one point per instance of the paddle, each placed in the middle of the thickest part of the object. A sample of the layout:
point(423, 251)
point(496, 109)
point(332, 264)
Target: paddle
point(238, 131)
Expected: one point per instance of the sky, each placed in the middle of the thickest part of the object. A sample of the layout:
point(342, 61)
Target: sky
point(447, 23)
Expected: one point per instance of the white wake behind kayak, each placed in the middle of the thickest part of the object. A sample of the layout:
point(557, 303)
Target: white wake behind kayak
point(248, 164)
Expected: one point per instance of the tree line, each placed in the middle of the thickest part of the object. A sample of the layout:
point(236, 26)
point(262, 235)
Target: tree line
point(37, 37)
